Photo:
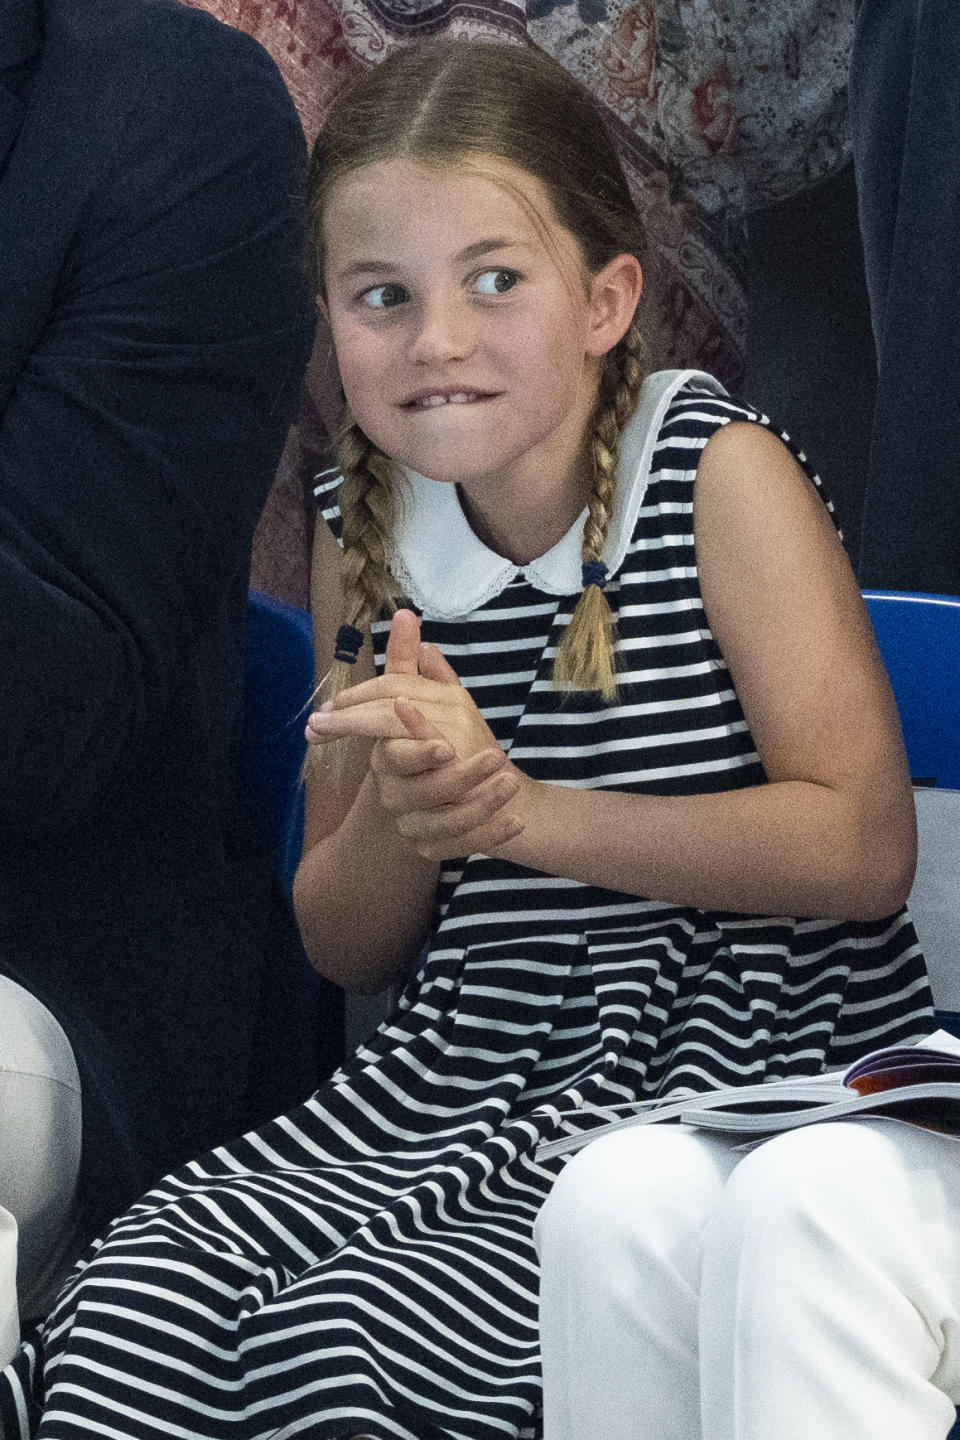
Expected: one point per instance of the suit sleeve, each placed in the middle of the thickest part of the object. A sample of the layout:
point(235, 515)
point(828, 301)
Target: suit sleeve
point(145, 427)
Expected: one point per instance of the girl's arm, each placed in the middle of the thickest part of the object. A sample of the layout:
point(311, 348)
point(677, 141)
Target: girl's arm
point(363, 894)
point(833, 834)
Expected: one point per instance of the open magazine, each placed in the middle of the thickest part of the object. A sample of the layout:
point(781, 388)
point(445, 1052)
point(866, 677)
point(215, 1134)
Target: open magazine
point(917, 1083)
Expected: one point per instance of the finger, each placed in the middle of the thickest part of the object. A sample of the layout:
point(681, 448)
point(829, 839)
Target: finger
point(313, 737)
point(417, 725)
point(412, 757)
point(475, 810)
point(433, 786)
point(403, 644)
point(434, 665)
point(377, 719)
point(411, 687)
point(487, 840)
point(485, 784)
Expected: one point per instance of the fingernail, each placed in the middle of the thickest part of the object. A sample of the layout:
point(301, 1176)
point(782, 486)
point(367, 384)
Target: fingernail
point(326, 707)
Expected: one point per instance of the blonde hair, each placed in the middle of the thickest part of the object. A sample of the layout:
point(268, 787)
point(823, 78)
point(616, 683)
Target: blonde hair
point(455, 103)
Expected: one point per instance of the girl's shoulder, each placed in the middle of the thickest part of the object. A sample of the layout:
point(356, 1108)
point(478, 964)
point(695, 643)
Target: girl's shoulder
point(695, 408)
point(691, 403)
point(679, 411)
point(676, 408)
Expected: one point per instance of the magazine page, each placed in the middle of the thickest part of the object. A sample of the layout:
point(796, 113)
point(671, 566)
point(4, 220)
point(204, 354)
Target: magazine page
point(934, 1105)
point(815, 1089)
point(935, 1058)
point(783, 1104)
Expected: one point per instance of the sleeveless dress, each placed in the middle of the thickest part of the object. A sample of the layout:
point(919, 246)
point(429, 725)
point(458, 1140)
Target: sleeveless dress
point(364, 1264)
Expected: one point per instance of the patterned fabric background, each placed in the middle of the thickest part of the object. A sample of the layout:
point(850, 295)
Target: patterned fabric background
point(717, 107)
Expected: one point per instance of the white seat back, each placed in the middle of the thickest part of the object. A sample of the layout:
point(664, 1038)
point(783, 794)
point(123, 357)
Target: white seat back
point(934, 901)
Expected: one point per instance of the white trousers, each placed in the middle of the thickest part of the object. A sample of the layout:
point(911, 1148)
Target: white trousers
point(806, 1290)
point(39, 1158)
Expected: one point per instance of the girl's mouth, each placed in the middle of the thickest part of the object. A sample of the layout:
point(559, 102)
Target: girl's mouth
point(433, 399)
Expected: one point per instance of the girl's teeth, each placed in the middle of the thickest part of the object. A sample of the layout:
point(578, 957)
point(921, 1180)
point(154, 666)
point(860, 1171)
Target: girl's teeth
point(461, 397)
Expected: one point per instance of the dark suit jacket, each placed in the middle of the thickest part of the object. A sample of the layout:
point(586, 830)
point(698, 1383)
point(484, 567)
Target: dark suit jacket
point(905, 109)
point(155, 322)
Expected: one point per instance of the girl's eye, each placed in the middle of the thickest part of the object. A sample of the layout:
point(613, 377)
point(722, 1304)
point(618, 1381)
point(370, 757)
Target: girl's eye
point(384, 297)
point(496, 282)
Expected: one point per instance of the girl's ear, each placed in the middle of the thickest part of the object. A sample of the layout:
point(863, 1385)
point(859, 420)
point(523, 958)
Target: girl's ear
point(614, 292)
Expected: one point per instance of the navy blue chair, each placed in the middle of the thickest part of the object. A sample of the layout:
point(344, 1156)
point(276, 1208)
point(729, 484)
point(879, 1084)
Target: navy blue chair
point(919, 640)
point(279, 684)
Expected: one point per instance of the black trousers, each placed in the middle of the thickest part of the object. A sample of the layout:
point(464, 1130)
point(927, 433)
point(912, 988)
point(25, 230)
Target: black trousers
point(905, 102)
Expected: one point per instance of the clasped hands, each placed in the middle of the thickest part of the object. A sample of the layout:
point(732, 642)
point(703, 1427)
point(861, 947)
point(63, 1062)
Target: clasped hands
point(437, 766)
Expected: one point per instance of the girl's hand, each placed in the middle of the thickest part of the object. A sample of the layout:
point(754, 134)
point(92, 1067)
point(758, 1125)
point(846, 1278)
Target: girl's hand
point(415, 673)
point(443, 805)
point(448, 790)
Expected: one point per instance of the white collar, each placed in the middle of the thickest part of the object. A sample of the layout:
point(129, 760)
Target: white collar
point(447, 571)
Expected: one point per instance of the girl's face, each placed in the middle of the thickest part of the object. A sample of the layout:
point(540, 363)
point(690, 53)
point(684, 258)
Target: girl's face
point(466, 331)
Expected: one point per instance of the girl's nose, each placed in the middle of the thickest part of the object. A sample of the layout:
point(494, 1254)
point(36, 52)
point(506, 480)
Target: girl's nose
point(445, 332)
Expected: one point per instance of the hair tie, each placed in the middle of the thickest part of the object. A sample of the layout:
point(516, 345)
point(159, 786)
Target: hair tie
point(347, 644)
point(594, 573)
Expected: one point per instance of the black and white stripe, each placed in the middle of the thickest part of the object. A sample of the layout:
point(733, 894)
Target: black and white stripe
point(365, 1263)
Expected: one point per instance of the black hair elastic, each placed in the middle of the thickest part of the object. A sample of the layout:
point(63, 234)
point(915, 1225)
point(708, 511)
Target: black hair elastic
point(347, 644)
point(594, 573)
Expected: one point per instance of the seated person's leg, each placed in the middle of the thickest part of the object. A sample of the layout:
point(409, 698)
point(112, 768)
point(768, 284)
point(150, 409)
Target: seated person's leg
point(830, 1295)
point(619, 1245)
point(39, 1156)
point(9, 1320)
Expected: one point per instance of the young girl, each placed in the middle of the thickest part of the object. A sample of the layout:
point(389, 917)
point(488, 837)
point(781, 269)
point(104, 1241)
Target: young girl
point(635, 738)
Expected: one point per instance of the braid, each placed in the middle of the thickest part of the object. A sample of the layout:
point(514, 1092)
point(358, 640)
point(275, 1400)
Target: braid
point(367, 511)
point(634, 363)
point(585, 655)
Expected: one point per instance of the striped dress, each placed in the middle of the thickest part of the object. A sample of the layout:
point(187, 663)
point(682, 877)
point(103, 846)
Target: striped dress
point(364, 1264)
